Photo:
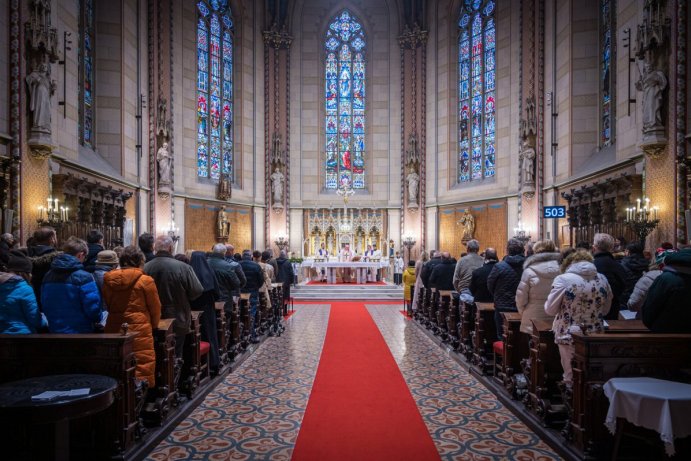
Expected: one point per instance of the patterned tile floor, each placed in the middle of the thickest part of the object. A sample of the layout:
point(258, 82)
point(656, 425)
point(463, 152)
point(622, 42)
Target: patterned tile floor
point(465, 420)
point(256, 412)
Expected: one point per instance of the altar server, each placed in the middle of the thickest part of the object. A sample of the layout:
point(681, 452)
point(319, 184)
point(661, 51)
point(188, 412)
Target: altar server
point(345, 256)
point(323, 253)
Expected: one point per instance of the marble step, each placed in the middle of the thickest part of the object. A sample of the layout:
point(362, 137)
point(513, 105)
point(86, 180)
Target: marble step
point(309, 292)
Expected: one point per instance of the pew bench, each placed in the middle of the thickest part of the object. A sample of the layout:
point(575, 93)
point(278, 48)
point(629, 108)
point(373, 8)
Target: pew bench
point(466, 327)
point(164, 396)
point(195, 367)
point(508, 355)
point(483, 338)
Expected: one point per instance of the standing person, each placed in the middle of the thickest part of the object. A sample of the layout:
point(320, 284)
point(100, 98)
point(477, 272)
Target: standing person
point(207, 304)
point(409, 280)
point(666, 308)
point(580, 298)
point(428, 267)
point(105, 261)
point(94, 240)
point(478, 281)
point(42, 252)
point(146, 244)
point(266, 270)
point(503, 281)
point(616, 274)
point(398, 265)
point(442, 274)
point(323, 253)
point(255, 280)
point(6, 244)
point(272, 261)
point(69, 295)
point(466, 265)
point(177, 288)
point(424, 257)
point(235, 265)
point(539, 270)
point(18, 307)
point(285, 275)
point(228, 281)
point(266, 256)
point(132, 298)
point(636, 264)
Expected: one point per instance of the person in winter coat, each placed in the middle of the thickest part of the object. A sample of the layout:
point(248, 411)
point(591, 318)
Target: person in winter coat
point(428, 267)
point(42, 253)
point(409, 280)
point(69, 295)
point(230, 258)
point(580, 298)
point(6, 244)
point(146, 244)
point(266, 270)
point(106, 261)
point(228, 281)
point(503, 281)
point(285, 274)
point(617, 275)
point(18, 308)
point(177, 288)
point(94, 241)
point(207, 304)
point(424, 257)
point(539, 270)
point(478, 280)
point(442, 274)
point(255, 280)
point(640, 290)
point(466, 265)
point(666, 308)
point(636, 264)
point(132, 298)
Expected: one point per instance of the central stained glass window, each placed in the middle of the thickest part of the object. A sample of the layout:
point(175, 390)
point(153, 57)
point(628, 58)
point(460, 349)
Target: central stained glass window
point(214, 89)
point(476, 91)
point(345, 102)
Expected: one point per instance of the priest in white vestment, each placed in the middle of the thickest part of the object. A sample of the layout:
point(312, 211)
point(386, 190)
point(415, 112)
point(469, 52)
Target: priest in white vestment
point(371, 272)
point(345, 256)
point(323, 253)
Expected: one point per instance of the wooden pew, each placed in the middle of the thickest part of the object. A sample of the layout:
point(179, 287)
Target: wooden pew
point(244, 308)
point(466, 327)
point(452, 321)
point(419, 312)
point(234, 331)
point(108, 433)
point(194, 372)
point(626, 326)
point(164, 395)
point(222, 336)
point(483, 337)
point(433, 308)
point(600, 357)
point(442, 317)
point(508, 368)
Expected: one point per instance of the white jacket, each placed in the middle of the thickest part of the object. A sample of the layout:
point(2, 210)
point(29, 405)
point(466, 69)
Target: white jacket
point(580, 298)
point(398, 264)
point(539, 270)
point(640, 291)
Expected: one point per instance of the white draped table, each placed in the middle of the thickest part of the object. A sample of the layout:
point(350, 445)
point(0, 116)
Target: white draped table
point(360, 268)
point(663, 406)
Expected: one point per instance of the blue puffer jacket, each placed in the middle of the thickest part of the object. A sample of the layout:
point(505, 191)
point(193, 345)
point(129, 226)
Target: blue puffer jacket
point(69, 297)
point(18, 309)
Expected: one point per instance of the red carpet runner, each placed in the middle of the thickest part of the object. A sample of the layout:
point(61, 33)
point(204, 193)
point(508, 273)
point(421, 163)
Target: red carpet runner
point(360, 408)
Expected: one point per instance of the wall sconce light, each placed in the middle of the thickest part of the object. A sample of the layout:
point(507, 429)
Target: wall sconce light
point(173, 231)
point(281, 242)
point(53, 214)
point(521, 234)
point(642, 218)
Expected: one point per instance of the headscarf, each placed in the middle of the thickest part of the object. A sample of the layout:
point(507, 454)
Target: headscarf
point(203, 271)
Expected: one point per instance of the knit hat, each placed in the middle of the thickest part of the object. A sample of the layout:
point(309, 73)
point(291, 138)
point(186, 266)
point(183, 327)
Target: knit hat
point(19, 263)
point(661, 254)
point(108, 257)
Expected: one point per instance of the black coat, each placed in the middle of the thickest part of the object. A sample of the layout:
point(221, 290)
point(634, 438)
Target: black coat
point(90, 261)
point(478, 283)
point(441, 277)
point(426, 271)
point(42, 257)
point(503, 281)
point(636, 265)
point(253, 274)
point(617, 277)
point(228, 281)
point(285, 275)
point(666, 308)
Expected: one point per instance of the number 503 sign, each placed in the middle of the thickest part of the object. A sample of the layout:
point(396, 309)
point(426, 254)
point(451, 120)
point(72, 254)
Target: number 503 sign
point(554, 212)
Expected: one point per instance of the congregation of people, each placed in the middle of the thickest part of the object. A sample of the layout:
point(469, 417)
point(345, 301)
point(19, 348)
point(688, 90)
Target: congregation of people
point(577, 288)
point(82, 287)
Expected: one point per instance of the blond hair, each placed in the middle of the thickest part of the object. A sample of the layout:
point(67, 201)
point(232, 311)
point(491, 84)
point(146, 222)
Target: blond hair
point(579, 255)
point(544, 246)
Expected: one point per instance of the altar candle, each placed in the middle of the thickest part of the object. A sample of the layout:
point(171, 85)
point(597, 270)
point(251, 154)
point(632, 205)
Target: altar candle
point(40, 212)
point(638, 204)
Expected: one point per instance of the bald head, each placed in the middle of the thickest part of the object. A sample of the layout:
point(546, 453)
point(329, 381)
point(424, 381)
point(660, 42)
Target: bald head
point(445, 255)
point(490, 254)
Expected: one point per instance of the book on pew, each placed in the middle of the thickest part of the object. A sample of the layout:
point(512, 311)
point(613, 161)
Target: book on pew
point(47, 396)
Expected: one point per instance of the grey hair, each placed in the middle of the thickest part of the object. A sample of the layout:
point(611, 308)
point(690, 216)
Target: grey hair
point(163, 243)
point(7, 237)
point(473, 246)
point(283, 254)
point(603, 242)
point(219, 249)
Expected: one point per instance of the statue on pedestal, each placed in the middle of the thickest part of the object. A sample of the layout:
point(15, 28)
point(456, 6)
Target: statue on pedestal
point(652, 83)
point(223, 224)
point(165, 161)
point(413, 180)
point(468, 222)
point(277, 179)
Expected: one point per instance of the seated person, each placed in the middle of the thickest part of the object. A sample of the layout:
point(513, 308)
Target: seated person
point(640, 290)
point(666, 308)
point(69, 295)
point(18, 308)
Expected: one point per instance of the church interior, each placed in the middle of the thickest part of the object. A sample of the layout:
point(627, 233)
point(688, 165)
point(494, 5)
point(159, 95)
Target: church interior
point(345, 229)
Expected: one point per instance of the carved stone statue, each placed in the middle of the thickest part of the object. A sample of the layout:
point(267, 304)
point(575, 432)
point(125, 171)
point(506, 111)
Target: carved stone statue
point(165, 161)
point(41, 89)
point(224, 188)
point(413, 180)
point(277, 179)
point(468, 222)
point(652, 83)
point(223, 224)
point(528, 170)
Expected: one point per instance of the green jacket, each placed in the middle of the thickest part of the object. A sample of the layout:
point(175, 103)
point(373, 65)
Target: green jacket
point(666, 308)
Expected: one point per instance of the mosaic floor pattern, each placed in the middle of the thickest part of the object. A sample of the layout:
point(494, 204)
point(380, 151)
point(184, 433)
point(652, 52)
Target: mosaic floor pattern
point(465, 420)
point(256, 412)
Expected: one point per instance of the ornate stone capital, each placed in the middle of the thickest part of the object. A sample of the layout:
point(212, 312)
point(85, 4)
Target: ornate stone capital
point(277, 38)
point(412, 38)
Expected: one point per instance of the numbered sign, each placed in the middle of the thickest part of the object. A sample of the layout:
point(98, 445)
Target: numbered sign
point(554, 212)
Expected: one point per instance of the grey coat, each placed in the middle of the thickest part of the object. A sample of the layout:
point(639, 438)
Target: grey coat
point(464, 270)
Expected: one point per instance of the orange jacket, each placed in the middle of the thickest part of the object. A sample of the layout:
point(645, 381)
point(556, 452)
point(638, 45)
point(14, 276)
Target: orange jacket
point(132, 298)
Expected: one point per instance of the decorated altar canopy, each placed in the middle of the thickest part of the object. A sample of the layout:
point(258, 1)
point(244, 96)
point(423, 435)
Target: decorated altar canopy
point(357, 227)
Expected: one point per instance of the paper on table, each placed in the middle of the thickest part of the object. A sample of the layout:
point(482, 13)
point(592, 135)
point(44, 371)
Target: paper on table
point(52, 395)
point(627, 315)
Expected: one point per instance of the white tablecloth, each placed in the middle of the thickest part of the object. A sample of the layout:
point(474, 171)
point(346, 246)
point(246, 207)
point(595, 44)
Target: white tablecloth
point(663, 406)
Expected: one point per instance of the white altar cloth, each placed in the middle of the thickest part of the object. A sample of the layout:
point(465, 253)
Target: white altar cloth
point(360, 268)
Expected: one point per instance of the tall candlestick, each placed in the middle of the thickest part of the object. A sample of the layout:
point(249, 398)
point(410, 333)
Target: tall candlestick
point(638, 204)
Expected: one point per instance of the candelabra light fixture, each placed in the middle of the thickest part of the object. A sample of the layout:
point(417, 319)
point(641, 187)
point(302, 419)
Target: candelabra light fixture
point(642, 218)
point(53, 214)
point(521, 233)
point(281, 242)
point(409, 243)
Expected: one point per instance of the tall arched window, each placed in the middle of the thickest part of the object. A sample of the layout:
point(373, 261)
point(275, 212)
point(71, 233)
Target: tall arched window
point(345, 102)
point(476, 91)
point(607, 74)
point(214, 89)
point(86, 72)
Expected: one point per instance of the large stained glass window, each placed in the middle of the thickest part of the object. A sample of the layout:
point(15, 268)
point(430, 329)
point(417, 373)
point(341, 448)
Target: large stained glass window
point(214, 89)
point(345, 102)
point(86, 72)
point(607, 50)
point(476, 91)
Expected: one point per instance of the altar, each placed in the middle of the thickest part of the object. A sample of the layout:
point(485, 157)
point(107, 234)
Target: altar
point(359, 267)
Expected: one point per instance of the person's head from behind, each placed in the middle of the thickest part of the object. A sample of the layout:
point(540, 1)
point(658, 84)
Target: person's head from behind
point(246, 255)
point(219, 249)
point(473, 246)
point(424, 256)
point(490, 254)
point(8, 239)
point(20, 265)
point(45, 236)
point(411, 264)
point(445, 256)
point(107, 258)
point(257, 255)
point(132, 256)
point(660, 256)
point(163, 244)
point(634, 248)
point(76, 247)
point(266, 255)
point(94, 236)
point(182, 257)
point(230, 250)
point(146, 242)
point(544, 246)
point(603, 243)
point(579, 255)
point(514, 247)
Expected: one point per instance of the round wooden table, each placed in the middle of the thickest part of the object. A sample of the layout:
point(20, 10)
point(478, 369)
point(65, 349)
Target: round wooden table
point(16, 403)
